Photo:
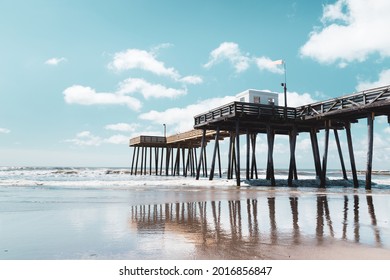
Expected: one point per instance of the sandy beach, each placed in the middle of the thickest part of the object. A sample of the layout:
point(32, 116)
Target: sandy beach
point(181, 218)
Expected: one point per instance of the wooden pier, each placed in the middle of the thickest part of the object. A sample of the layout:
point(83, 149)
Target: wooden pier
point(250, 119)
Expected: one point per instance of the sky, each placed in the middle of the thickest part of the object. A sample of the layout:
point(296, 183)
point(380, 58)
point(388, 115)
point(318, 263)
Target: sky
point(79, 78)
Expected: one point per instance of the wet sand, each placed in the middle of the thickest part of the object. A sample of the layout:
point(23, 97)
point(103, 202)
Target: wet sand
point(203, 221)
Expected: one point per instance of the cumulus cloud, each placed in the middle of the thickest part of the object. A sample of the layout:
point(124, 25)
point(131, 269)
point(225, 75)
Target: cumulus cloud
point(353, 29)
point(82, 95)
point(141, 59)
point(133, 85)
point(124, 127)
point(147, 61)
point(86, 138)
point(295, 99)
point(55, 61)
point(117, 139)
point(231, 52)
point(265, 63)
point(183, 118)
point(4, 130)
point(192, 80)
point(384, 80)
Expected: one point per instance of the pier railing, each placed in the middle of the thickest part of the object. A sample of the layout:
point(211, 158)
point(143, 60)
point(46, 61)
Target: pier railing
point(356, 101)
point(143, 139)
point(242, 109)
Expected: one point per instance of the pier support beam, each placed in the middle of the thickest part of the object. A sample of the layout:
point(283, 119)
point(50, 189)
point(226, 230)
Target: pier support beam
point(254, 164)
point(216, 148)
point(336, 136)
point(132, 161)
point(202, 153)
point(238, 168)
point(370, 125)
point(325, 156)
point(248, 144)
point(270, 162)
point(351, 154)
point(292, 167)
point(316, 151)
point(136, 162)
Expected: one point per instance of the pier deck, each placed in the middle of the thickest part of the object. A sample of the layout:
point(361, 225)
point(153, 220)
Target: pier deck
point(241, 118)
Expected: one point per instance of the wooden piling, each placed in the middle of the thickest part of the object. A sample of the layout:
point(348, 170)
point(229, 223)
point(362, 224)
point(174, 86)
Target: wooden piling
point(325, 156)
point(167, 158)
point(132, 161)
point(203, 146)
point(247, 154)
point(316, 152)
point(136, 161)
point(336, 136)
point(216, 145)
point(150, 160)
point(370, 134)
point(292, 167)
point(238, 169)
point(254, 164)
point(270, 162)
point(142, 160)
point(351, 154)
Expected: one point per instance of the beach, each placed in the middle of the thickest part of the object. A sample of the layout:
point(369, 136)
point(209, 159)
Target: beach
point(70, 213)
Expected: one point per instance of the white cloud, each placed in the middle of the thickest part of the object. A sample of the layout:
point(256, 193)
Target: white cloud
point(86, 138)
point(133, 85)
point(295, 99)
point(147, 61)
point(384, 80)
point(229, 51)
point(353, 29)
point(182, 119)
point(4, 130)
point(124, 127)
point(265, 63)
point(192, 80)
point(55, 61)
point(118, 139)
point(82, 95)
point(141, 59)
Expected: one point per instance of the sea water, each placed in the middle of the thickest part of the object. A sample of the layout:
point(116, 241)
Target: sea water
point(106, 213)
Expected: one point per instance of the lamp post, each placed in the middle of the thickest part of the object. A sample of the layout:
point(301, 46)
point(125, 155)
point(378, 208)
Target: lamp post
point(284, 85)
point(165, 130)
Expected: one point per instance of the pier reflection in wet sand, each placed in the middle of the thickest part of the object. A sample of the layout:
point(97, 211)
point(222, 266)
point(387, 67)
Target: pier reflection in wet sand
point(281, 227)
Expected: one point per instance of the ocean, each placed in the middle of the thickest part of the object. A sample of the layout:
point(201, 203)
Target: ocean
point(106, 213)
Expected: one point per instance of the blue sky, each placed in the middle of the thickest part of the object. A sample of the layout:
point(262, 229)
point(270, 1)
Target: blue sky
point(79, 78)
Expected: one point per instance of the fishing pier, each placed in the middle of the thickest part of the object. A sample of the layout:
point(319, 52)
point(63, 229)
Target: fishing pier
point(246, 118)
